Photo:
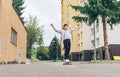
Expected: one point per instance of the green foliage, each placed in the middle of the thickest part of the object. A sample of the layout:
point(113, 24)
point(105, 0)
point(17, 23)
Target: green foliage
point(92, 9)
point(33, 54)
point(29, 53)
point(18, 4)
point(34, 34)
point(42, 53)
point(54, 49)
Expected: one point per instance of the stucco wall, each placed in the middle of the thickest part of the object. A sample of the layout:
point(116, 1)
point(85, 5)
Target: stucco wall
point(9, 19)
point(113, 34)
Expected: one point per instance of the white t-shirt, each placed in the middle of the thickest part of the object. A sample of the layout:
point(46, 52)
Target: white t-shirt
point(66, 34)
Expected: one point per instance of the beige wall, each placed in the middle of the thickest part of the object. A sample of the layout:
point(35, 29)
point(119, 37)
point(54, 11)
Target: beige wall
point(9, 19)
point(72, 24)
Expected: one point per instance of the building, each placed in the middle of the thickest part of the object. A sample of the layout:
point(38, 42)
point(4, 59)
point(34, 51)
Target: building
point(83, 38)
point(13, 35)
point(113, 40)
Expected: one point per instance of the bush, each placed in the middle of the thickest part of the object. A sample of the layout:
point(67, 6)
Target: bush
point(42, 53)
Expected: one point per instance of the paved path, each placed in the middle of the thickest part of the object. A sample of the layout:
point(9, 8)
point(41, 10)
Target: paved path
point(50, 69)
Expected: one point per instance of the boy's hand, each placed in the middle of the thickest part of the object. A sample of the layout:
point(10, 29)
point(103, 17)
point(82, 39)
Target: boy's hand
point(78, 25)
point(51, 25)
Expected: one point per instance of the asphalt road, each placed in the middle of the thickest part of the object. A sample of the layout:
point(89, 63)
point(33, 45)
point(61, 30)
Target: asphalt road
point(56, 69)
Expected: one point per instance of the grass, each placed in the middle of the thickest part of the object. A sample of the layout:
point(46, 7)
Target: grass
point(106, 61)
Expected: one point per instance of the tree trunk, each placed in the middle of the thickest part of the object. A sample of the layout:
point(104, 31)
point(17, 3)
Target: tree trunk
point(30, 47)
point(107, 55)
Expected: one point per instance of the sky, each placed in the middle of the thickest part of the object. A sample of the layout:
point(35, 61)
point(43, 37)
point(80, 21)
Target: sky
point(47, 12)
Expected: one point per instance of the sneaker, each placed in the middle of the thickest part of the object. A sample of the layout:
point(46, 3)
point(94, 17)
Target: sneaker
point(67, 60)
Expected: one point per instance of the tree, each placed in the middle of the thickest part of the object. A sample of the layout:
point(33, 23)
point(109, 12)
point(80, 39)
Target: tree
point(108, 10)
point(54, 49)
point(40, 36)
point(42, 53)
point(18, 4)
point(34, 34)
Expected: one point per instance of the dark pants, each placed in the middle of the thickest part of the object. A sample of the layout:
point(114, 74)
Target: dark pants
point(67, 46)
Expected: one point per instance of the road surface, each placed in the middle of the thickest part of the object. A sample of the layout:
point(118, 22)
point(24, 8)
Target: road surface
point(56, 69)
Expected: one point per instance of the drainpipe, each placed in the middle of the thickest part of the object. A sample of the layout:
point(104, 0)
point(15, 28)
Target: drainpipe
point(18, 55)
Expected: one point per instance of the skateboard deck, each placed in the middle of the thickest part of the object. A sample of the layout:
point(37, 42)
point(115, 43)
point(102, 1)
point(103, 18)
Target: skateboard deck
point(67, 63)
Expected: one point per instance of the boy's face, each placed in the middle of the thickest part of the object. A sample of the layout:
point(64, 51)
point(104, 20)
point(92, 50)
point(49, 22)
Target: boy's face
point(66, 27)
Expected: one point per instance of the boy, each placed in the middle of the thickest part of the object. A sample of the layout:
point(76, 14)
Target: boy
point(66, 35)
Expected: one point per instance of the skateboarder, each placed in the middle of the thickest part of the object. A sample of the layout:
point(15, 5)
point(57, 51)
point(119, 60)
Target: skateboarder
point(66, 36)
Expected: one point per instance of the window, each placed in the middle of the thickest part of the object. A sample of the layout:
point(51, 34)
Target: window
point(69, 16)
point(69, 3)
point(13, 37)
point(93, 43)
point(81, 34)
point(78, 36)
point(79, 47)
point(97, 55)
point(98, 41)
point(92, 31)
point(97, 28)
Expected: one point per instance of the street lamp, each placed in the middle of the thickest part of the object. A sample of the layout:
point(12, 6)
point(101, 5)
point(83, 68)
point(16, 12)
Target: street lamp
point(57, 52)
point(57, 49)
point(95, 37)
point(94, 42)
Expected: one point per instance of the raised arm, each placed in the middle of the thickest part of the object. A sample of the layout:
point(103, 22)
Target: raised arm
point(58, 31)
point(74, 28)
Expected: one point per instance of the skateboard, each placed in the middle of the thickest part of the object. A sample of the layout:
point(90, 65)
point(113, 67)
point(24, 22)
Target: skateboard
point(67, 63)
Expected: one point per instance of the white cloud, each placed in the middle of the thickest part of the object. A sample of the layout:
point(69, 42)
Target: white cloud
point(47, 11)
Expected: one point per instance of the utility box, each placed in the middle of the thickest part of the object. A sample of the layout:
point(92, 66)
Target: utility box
point(116, 58)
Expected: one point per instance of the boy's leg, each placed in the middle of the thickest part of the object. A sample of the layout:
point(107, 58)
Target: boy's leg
point(67, 46)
